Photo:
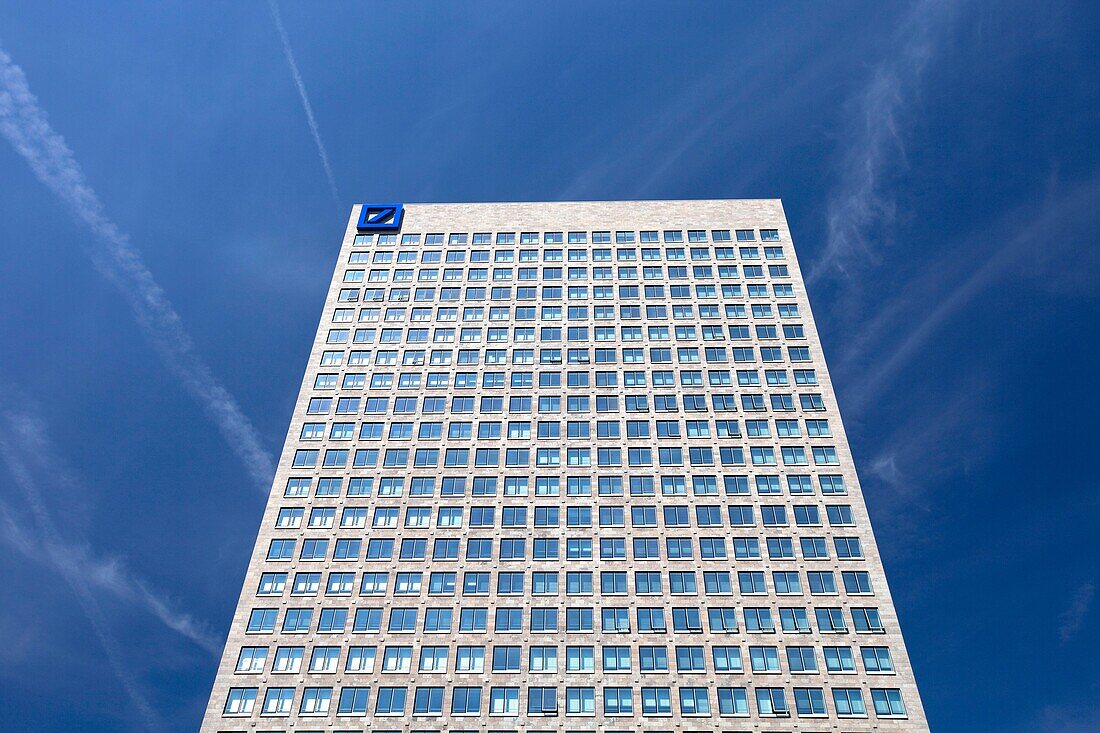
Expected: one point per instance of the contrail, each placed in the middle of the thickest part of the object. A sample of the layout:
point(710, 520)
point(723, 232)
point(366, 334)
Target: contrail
point(1020, 240)
point(313, 127)
point(72, 575)
point(24, 123)
point(73, 560)
point(25, 448)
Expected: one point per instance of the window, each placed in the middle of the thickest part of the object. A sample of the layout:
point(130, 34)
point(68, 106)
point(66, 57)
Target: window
point(690, 659)
point(733, 701)
point(240, 701)
point(809, 701)
point(771, 701)
point(428, 701)
point(830, 620)
point(856, 582)
point(433, 659)
point(867, 620)
point(297, 620)
point(466, 701)
point(618, 701)
point(694, 701)
point(821, 582)
point(727, 658)
point(580, 700)
point(470, 659)
point(848, 548)
point(651, 620)
point(278, 701)
point(542, 700)
point(579, 659)
point(656, 701)
point(251, 659)
point(888, 703)
point(764, 658)
point(839, 659)
point(288, 660)
point(504, 701)
point(876, 659)
point(543, 659)
point(360, 659)
point(848, 702)
point(759, 620)
point(315, 701)
point(391, 701)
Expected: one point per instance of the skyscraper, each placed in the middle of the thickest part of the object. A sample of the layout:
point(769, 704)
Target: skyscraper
point(566, 467)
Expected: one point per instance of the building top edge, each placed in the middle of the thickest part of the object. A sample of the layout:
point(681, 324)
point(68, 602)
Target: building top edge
point(582, 201)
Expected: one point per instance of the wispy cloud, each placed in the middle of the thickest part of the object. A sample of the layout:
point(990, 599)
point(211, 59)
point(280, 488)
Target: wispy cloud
point(1073, 618)
point(1036, 233)
point(110, 575)
point(28, 453)
point(1070, 718)
point(19, 435)
point(24, 123)
point(898, 474)
point(861, 201)
point(885, 466)
point(999, 257)
point(646, 154)
point(314, 129)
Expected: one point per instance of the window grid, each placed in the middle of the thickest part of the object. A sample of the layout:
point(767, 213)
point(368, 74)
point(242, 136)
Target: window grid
point(561, 472)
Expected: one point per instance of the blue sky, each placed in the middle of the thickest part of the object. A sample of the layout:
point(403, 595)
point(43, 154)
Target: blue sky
point(169, 228)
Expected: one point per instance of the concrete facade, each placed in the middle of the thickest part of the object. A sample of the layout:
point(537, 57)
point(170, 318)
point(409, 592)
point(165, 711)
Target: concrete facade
point(690, 500)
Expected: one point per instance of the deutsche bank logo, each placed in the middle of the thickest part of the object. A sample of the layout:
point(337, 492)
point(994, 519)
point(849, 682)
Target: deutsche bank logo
point(380, 217)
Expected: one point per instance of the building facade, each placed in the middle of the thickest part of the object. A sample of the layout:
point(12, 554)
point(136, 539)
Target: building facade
point(566, 467)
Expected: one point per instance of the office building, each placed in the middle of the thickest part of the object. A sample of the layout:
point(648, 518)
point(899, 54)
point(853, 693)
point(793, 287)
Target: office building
point(566, 467)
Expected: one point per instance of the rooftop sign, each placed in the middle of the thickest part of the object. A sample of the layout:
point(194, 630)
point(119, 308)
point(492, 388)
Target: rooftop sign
point(380, 217)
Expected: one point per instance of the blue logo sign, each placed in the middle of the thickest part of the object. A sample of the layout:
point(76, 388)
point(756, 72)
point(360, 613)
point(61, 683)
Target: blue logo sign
point(380, 217)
